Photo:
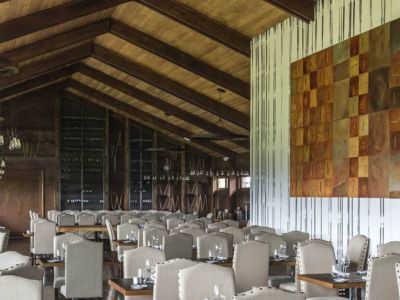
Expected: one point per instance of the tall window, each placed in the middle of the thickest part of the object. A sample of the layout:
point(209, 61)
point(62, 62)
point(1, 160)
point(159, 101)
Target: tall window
point(222, 183)
point(245, 182)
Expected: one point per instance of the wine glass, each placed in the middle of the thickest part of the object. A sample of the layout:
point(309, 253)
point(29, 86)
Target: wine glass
point(345, 263)
point(294, 246)
point(211, 255)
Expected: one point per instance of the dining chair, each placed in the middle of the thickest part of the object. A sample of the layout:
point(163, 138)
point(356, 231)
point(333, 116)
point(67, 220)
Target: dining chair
point(138, 221)
point(111, 235)
point(83, 270)
point(151, 217)
point(209, 242)
point(126, 228)
point(388, 248)
point(189, 217)
point(231, 223)
point(357, 251)
point(292, 238)
point(173, 223)
point(275, 241)
point(65, 220)
point(398, 276)
point(382, 278)
point(44, 232)
point(17, 288)
point(12, 262)
point(195, 233)
point(154, 224)
point(125, 218)
point(166, 286)
point(4, 238)
point(151, 234)
point(229, 237)
point(255, 229)
point(86, 219)
point(217, 225)
point(250, 272)
point(111, 217)
point(178, 245)
point(316, 257)
point(205, 220)
point(237, 234)
point(193, 224)
point(198, 282)
point(177, 229)
point(263, 293)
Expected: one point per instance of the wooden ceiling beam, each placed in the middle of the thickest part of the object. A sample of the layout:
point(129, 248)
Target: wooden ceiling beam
point(155, 102)
point(58, 61)
point(180, 58)
point(41, 80)
point(170, 86)
point(302, 9)
point(201, 23)
point(53, 16)
point(59, 41)
point(105, 98)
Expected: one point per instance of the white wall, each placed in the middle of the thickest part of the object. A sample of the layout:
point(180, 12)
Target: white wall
point(335, 219)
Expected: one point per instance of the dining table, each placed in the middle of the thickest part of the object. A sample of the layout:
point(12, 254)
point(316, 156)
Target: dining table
point(125, 287)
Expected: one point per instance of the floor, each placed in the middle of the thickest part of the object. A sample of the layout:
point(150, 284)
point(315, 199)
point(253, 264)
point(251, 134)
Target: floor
point(22, 246)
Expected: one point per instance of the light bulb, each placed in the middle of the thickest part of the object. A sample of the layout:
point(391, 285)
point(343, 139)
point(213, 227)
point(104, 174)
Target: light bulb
point(2, 171)
point(11, 146)
point(1, 140)
point(2, 164)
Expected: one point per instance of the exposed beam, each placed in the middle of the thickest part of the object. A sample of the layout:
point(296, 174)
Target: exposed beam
point(302, 9)
point(180, 58)
point(59, 41)
point(42, 80)
point(155, 102)
point(105, 98)
point(170, 86)
point(60, 60)
point(200, 23)
point(53, 16)
point(42, 92)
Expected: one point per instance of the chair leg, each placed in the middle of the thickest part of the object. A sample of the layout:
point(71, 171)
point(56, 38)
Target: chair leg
point(55, 294)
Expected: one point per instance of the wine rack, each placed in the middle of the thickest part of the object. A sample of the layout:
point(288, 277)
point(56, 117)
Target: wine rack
point(82, 133)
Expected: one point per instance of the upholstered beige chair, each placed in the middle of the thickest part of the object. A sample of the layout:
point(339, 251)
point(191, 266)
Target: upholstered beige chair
point(177, 229)
point(137, 221)
point(151, 217)
point(59, 272)
point(124, 229)
point(4, 237)
point(65, 220)
point(151, 234)
point(17, 288)
point(197, 282)
point(155, 224)
point(178, 245)
point(316, 256)
point(205, 220)
point(111, 217)
point(293, 238)
point(173, 223)
point(389, 248)
point(189, 217)
point(125, 218)
point(86, 219)
point(275, 241)
point(195, 233)
point(251, 265)
point(11, 262)
point(255, 229)
point(44, 233)
point(268, 293)
point(166, 286)
point(217, 225)
point(237, 234)
point(229, 237)
point(398, 277)
point(382, 279)
point(357, 251)
point(209, 242)
point(193, 224)
point(83, 270)
point(111, 234)
point(231, 223)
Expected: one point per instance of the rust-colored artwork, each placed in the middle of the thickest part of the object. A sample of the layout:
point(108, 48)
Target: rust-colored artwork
point(345, 118)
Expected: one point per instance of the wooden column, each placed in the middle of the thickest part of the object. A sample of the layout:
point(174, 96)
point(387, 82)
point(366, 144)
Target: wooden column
point(154, 186)
point(183, 182)
point(106, 160)
point(57, 125)
point(126, 165)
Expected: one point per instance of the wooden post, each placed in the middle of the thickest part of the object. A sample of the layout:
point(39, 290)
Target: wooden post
point(183, 182)
point(106, 160)
point(154, 186)
point(126, 165)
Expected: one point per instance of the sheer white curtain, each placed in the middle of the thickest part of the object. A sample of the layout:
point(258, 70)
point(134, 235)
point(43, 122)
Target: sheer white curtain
point(336, 219)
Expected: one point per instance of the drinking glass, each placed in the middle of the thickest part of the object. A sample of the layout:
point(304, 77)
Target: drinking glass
point(345, 263)
point(211, 255)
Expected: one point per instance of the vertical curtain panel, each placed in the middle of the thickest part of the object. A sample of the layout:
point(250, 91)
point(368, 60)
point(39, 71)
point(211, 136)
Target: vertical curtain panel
point(335, 219)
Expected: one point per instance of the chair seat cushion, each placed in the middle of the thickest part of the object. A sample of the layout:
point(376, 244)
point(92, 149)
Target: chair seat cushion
point(289, 286)
point(276, 280)
point(58, 282)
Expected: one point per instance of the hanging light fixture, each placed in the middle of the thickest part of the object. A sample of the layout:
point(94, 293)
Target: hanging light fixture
point(8, 67)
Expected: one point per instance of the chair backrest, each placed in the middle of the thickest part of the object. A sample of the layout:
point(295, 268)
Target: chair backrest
point(382, 279)
point(4, 237)
point(125, 218)
point(231, 223)
point(257, 229)
point(208, 242)
point(293, 238)
point(111, 217)
point(275, 241)
point(197, 282)
point(217, 225)
point(86, 219)
point(205, 220)
point(389, 248)
point(398, 277)
point(84, 270)
point(111, 234)
point(193, 224)
point(153, 234)
point(65, 220)
point(16, 288)
point(230, 241)
point(124, 229)
point(357, 251)
point(135, 259)
point(173, 222)
point(151, 217)
point(155, 224)
point(190, 217)
point(12, 262)
point(270, 293)
point(58, 242)
point(195, 233)
point(237, 233)
point(315, 257)
point(250, 272)
point(178, 245)
point(166, 286)
point(137, 221)
point(43, 237)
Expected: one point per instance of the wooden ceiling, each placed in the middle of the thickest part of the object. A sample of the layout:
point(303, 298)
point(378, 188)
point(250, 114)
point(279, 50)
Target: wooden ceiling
point(158, 62)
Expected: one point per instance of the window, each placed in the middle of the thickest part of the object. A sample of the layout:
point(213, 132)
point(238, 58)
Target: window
point(222, 183)
point(245, 182)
